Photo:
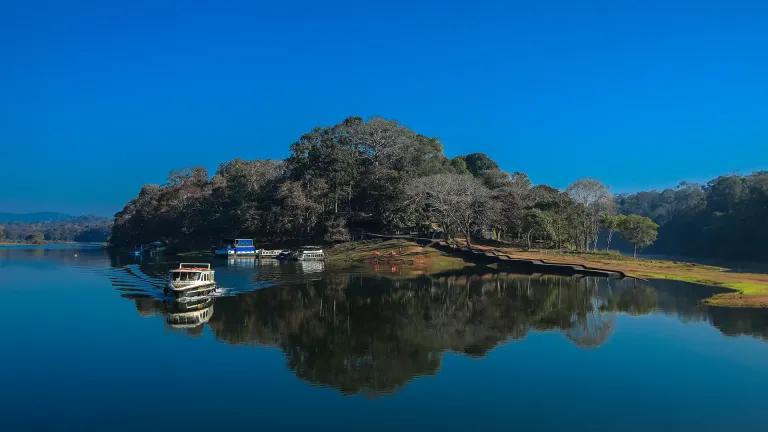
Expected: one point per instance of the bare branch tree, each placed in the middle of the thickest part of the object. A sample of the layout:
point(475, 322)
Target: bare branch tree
point(458, 203)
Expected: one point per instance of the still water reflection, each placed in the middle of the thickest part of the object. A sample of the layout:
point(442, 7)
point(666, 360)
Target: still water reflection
point(374, 334)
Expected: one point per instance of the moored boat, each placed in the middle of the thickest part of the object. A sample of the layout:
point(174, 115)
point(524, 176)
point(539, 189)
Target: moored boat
point(310, 253)
point(237, 247)
point(271, 253)
point(285, 255)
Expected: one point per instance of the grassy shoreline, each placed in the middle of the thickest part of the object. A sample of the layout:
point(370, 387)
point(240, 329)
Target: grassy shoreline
point(749, 289)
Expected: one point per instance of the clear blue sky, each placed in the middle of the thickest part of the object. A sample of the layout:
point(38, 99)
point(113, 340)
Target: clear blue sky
point(97, 98)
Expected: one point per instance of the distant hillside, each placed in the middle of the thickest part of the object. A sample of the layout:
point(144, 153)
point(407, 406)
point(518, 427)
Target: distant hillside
point(34, 217)
point(51, 226)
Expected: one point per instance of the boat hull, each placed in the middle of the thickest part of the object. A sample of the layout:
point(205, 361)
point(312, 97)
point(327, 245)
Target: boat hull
point(238, 251)
point(190, 290)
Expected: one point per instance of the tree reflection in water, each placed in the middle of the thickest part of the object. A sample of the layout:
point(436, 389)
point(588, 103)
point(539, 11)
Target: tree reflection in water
point(372, 334)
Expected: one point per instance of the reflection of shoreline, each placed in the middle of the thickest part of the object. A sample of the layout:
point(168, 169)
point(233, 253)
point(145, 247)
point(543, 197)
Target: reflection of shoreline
point(373, 334)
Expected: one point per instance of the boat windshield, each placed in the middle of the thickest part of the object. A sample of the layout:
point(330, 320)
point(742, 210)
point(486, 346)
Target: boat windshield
point(185, 276)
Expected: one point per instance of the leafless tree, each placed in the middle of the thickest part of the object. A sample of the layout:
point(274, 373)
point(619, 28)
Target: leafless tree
point(458, 203)
point(597, 201)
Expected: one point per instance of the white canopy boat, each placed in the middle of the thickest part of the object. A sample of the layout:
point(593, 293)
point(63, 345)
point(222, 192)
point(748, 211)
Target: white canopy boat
point(191, 279)
point(310, 253)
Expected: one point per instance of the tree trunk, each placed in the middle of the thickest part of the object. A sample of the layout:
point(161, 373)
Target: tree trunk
point(349, 198)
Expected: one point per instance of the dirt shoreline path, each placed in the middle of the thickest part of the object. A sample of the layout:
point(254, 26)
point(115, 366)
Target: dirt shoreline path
point(750, 289)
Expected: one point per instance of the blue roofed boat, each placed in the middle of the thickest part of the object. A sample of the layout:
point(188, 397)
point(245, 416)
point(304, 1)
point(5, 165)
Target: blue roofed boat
point(237, 247)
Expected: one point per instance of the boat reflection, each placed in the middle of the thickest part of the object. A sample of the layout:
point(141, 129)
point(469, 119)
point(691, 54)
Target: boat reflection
point(188, 312)
point(310, 266)
point(301, 267)
point(242, 261)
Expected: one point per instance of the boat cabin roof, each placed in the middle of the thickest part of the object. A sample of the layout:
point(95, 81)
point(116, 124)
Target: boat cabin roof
point(192, 267)
point(311, 248)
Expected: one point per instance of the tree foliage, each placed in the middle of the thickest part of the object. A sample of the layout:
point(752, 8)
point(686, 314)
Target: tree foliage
point(460, 204)
point(359, 176)
point(36, 237)
point(597, 202)
point(82, 228)
point(723, 218)
point(638, 230)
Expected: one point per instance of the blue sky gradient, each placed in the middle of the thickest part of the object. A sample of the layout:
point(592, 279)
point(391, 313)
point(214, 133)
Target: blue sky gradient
point(98, 98)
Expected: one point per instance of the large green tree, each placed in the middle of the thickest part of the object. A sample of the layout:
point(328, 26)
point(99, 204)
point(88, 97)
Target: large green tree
point(638, 230)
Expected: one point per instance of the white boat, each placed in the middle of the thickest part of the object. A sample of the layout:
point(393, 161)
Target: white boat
point(310, 253)
point(191, 279)
point(270, 253)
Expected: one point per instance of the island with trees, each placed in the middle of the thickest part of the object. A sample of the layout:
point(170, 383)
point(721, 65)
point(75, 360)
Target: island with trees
point(359, 177)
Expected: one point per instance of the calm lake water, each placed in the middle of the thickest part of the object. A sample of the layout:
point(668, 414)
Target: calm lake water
point(89, 343)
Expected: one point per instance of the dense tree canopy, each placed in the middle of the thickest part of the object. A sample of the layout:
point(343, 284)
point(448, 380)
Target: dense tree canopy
point(350, 177)
point(379, 176)
point(724, 218)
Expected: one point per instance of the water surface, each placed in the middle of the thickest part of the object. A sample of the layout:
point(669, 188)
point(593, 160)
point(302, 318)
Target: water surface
point(90, 343)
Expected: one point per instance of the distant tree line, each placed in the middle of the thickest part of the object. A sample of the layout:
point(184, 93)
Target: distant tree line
point(79, 229)
point(366, 176)
point(724, 218)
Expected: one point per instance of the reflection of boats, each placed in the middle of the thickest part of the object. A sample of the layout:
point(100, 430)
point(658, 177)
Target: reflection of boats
point(270, 262)
point(152, 249)
point(236, 247)
point(191, 279)
point(244, 262)
point(189, 312)
point(312, 266)
point(310, 253)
